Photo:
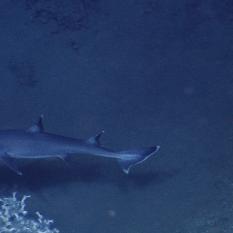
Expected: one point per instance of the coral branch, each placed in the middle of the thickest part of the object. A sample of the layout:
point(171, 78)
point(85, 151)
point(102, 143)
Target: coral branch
point(14, 219)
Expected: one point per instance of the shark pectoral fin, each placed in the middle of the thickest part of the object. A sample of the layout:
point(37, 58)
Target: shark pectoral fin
point(61, 157)
point(95, 140)
point(38, 127)
point(10, 163)
point(64, 158)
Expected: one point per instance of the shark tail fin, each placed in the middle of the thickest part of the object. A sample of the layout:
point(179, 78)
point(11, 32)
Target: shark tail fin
point(131, 158)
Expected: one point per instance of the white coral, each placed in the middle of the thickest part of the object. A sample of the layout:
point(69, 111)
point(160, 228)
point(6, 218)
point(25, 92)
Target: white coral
point(14, 219)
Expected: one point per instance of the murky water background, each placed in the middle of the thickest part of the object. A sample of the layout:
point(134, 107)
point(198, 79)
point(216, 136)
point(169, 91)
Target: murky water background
point(148, 72)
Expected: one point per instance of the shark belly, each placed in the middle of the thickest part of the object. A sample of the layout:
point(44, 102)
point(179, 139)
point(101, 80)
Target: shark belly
point(33, 156)
point(28, 150)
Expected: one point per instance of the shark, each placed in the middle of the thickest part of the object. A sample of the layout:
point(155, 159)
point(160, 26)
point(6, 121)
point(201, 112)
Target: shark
point(36, 143)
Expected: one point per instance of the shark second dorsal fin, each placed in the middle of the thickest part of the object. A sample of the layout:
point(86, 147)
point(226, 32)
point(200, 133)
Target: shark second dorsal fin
point(95, 140)
point(38, 127)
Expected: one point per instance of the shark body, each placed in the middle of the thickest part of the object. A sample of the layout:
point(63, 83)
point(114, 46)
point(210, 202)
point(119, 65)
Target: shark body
point(35, 143)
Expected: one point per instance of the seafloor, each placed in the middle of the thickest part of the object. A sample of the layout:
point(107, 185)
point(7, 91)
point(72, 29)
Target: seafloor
point(148, 72)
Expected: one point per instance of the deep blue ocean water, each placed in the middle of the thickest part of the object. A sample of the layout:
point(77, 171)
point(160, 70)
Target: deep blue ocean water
point(148, 72)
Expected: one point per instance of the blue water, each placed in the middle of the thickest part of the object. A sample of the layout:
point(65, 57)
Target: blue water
point(148, 72)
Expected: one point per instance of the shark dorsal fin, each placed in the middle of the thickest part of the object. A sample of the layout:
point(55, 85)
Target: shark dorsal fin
point(38, 127)
point(95, 140)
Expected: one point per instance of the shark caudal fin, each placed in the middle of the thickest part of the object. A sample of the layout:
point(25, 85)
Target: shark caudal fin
point(131, 158)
